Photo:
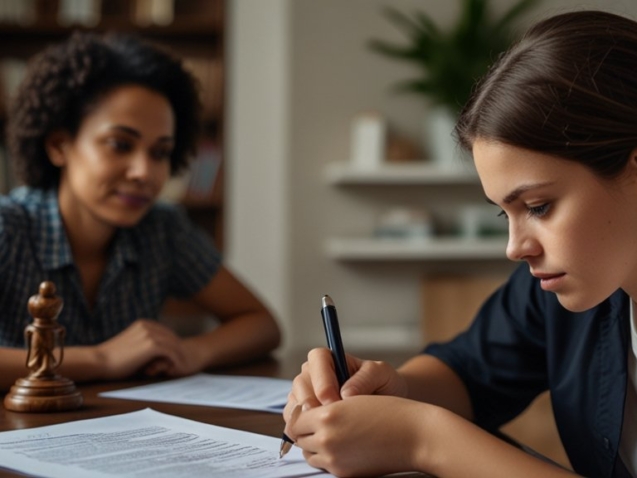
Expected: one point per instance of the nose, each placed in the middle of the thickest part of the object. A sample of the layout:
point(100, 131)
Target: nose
point(522, 243)
point(140, 167)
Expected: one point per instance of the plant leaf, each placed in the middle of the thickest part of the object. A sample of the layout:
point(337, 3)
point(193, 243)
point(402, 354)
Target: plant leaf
point(451, 60)
point(402, 21)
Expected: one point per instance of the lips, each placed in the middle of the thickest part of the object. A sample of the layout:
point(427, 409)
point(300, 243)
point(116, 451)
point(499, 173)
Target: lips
point(134, 199)
point(549, 281)
point(543, 275)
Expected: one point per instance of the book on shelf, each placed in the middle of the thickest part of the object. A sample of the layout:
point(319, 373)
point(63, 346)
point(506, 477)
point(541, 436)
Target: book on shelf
point(154, 12)
point(198, 183)
point(208, 73)
point(203, 173)
point(87, 13)
point(20, 12)
point(12, 71)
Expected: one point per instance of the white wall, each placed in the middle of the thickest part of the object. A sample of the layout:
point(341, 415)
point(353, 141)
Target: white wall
point(299, 72)
point(257, 169)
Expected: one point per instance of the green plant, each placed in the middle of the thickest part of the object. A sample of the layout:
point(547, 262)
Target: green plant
point(451, 60)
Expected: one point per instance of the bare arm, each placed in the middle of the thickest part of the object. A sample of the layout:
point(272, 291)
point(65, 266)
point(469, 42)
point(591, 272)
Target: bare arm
point(460, 449)
point(415, 418)
point(80, 364)
point(374, 435)
point(431, 380)
point(247, 331)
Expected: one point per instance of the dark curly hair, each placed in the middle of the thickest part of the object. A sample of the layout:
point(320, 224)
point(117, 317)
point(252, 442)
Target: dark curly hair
point(65, 81)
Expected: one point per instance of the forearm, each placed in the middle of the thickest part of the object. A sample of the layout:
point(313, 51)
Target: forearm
point(430, 380)
point(241, 339)
point(83, 364)
point(458, 448)
point(80, 364)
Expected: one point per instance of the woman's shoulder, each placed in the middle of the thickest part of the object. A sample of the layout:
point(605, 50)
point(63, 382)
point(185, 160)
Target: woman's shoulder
point(170, 225)
point(164, 222)
point(22, 209)
point(21, 203)
point(164, 214)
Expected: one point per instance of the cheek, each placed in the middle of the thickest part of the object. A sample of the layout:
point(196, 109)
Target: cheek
point(598, 240)
point(91, 161)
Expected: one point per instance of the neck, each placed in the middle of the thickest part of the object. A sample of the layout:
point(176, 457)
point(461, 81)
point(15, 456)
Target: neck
point(88, 236)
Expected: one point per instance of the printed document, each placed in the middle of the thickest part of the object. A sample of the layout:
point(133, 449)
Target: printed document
point(229, 391)
point(147, 444)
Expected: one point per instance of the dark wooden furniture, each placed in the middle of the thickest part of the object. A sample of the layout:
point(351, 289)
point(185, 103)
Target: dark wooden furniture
point(252, 421)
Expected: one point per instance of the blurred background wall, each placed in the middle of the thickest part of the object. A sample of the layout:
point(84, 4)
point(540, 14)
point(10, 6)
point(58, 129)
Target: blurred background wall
point(299, 72)
point(285, 85)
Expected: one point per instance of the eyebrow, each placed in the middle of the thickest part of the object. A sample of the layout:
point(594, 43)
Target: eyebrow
point(137, 134)
point(517, 192)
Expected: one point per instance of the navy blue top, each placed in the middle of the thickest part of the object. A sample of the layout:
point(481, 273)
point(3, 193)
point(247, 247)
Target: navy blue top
point(524, 342)
point(163, 255)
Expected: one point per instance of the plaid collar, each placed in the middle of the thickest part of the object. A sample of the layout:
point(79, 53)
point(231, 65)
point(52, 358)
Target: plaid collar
point(49, 236)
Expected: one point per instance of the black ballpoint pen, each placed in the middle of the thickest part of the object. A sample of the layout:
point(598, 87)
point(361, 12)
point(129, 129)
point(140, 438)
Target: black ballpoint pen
point(335, 344)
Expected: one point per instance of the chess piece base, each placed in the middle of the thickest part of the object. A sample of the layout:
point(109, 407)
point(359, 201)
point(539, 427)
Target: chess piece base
point(54, 394)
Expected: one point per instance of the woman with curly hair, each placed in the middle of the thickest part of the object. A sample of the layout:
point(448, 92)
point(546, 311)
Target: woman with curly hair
point(553, 132)
point(97, 127)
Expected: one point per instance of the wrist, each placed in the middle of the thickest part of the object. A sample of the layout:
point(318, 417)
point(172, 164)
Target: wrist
point(97, 361)
point(428, 454)
point(200, 353)
point(84, 363)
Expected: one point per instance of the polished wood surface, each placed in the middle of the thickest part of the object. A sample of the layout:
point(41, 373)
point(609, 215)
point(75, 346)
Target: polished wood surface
point(96, 406)
point(251, 421)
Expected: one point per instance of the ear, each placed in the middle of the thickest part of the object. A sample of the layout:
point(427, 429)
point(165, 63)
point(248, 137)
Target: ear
point(56, 144)
point(632, 159)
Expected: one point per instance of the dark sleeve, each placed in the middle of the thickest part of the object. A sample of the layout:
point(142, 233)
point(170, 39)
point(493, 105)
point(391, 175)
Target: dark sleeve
point(195, 259)
point(501, 358)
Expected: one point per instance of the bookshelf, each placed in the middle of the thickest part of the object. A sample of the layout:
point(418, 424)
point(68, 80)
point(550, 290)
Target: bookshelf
point(191, 29)
point(436, 248)
point(342, 173)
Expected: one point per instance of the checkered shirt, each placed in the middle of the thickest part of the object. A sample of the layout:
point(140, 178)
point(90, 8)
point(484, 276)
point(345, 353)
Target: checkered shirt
point(164, 255)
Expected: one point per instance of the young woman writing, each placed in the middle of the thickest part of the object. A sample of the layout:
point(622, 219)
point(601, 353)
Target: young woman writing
point(553, 132)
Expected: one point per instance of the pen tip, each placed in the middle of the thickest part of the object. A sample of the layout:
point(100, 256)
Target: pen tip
point(327, 301)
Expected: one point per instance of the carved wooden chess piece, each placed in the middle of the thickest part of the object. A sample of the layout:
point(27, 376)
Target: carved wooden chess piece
point(43, 390)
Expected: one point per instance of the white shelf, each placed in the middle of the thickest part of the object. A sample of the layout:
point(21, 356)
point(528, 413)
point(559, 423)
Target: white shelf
point(343, 173)
point(443, 249)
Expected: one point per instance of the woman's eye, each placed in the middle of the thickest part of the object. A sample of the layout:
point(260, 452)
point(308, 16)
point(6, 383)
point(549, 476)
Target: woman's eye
point(503, 214)
point(119, 146)
point(539, 211)
point(162, 154)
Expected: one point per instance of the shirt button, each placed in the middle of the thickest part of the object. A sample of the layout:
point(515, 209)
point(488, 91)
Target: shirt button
point(606, 443)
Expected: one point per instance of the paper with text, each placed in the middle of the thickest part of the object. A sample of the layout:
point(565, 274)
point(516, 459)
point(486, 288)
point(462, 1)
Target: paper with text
point(147, 444)
point(230, 391)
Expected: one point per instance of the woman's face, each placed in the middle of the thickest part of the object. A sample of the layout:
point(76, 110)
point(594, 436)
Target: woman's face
point(577, 232)
point(114, 168)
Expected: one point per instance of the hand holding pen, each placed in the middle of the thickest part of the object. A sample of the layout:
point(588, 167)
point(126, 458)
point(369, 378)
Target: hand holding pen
point(335, 344)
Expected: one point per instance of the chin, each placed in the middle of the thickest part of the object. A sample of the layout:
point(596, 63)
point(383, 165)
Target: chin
point(577, 303)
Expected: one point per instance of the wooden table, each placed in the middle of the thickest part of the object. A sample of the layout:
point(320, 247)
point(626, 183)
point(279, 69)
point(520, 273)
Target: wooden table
point(252, 421)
